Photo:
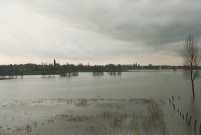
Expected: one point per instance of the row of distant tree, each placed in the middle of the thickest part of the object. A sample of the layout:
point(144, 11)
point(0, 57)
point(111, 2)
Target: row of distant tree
point(12, 71)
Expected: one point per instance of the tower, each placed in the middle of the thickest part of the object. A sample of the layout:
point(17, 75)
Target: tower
point(54, 62)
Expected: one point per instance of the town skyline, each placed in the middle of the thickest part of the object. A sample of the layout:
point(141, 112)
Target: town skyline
point(52, 62)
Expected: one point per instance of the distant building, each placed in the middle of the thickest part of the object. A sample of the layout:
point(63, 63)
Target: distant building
point(54, 62)
point(135, 64)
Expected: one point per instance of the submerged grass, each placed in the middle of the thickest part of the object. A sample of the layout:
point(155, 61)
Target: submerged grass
point(101, 116)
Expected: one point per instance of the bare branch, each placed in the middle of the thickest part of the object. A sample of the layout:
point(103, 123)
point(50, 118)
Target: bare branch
point(191, 60)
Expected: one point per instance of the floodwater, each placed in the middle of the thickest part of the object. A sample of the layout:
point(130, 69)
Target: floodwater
point(35, 105)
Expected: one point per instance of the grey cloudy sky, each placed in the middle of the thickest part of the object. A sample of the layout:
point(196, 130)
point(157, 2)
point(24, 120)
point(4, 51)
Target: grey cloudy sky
point(97, 31)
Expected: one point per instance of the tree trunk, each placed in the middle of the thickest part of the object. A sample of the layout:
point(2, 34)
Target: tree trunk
point(192, 82)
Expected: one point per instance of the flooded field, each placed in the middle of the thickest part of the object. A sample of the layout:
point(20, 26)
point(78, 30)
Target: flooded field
point(131, 103)
point(82, 116)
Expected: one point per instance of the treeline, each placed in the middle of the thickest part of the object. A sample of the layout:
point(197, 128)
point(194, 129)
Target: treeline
point(12, 71)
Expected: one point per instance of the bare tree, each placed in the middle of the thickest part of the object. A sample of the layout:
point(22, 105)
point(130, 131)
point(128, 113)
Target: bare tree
point(191, 60)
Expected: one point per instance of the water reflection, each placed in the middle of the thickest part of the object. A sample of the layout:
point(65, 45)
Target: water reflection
point(69, 74)
point(98, 73)
point(48, 76)
point(115, 73)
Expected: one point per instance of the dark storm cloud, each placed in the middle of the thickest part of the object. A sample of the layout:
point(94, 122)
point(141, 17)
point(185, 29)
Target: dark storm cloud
point(102, 29)
point(154, 22)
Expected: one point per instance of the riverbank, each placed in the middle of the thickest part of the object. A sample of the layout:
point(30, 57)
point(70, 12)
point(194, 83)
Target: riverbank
point(5, 78)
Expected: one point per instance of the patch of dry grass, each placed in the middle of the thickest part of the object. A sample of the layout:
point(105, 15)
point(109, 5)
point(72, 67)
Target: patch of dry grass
point(112, 117)
point(81, 102)
point(71, 118)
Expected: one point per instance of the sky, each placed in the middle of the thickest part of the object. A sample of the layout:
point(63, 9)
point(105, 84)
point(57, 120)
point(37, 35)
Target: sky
point(97, 31)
